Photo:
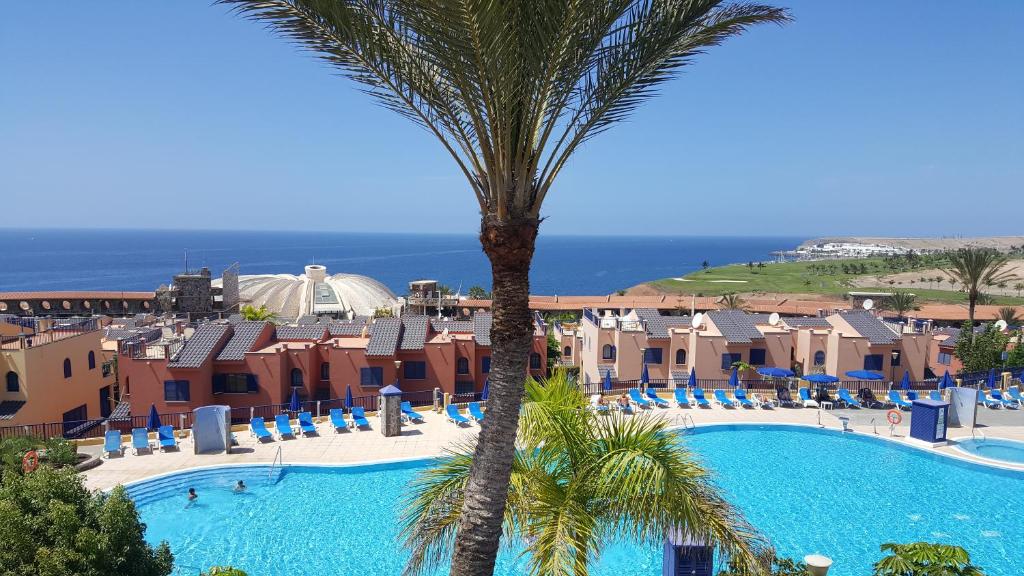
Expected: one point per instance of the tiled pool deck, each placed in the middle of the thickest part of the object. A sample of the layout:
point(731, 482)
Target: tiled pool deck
point(431, 437)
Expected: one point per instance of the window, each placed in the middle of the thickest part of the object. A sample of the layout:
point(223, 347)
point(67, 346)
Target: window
point(485, 364)
point(176, 391)
point(325, 371)
point(652, 355)
point(92, 360)
point(415, 369)
point(757, 356)
point(729, 358)
point(296, 377)
point(465, 387)
point(12, 382)
point(819, 358)
point(608, 352)
point(680, 356)
point(567, 352)
point(945, 358)
point(534, 361)
point(67, 368)
point(371, 377)
point(896, 354)
point(235, 383)
point(873, 362)
point(462, 366)
point(105, 408)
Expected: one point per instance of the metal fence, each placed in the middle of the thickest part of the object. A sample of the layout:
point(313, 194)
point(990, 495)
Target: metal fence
point(84, 429)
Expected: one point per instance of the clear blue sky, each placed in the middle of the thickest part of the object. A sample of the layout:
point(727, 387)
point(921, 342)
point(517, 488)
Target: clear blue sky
point(870, 117)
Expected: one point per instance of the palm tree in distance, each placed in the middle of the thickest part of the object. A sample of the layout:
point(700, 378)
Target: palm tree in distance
point(732, 301)
point(899, 302)
point(579, 480)
point(1019, 287)
point(1008, 314)
point(974, 268)
point(510, 90)
point(250, 312)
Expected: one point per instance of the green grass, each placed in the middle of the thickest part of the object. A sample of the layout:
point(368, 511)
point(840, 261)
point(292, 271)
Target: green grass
point(802, 278)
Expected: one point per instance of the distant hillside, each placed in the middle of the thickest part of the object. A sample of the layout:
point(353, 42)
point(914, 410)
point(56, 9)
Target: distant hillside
point(1003, 243)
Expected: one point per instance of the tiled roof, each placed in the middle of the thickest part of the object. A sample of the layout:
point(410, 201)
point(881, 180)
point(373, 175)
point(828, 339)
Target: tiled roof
point(8, 408)
point(807, 322)
point(242, 341)
point(482, 328)
point(206, 339)
point(122, 411)
point(235, 319)
point(658, 325)
point(311, 332)
point(459, 326)
point(307, 320)
point(736, 326)
point(870, 327)
point(384, 339)
point(414, 332)
point(150, 334)
point(346, 328)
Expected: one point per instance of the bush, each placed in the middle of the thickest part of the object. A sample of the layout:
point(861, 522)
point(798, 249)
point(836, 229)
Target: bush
point(223, 571)
point(57, 452)
point(53, 526)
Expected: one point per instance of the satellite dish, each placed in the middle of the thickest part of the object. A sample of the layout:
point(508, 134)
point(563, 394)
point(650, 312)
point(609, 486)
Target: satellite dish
point(698, 319)
point(773, 319)
point(868, 304)
point(1001, 325)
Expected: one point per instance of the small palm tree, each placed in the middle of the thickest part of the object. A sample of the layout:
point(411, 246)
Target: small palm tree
point(732, 302)
point(974, 268)
point(1008, 314)
point(578, 481)
point(900, 302)
point(743, 367)
point(925, 559)
point(250, 312)
point(1019, 287)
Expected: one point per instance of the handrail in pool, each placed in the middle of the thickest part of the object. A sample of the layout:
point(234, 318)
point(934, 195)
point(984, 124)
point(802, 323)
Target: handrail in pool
point(974, 431)
point(277, 457)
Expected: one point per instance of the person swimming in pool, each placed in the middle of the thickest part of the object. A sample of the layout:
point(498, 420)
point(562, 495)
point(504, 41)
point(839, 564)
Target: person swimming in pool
point(240, 487)
point(192, 495)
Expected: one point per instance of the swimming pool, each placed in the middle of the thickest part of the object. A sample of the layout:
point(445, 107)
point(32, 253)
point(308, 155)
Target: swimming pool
point(993, 449)
point(808, 490)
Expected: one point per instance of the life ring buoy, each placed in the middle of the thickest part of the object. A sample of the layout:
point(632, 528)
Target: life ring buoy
point(894, 417)
point(30, 461)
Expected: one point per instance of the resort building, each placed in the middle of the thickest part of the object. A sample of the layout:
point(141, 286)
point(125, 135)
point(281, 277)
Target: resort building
point(247, 364)
point(54, 370)
point(942, 354)
point(77, 303)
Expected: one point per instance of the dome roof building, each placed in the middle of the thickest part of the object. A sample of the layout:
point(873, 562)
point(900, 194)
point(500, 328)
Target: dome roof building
point(314, 293)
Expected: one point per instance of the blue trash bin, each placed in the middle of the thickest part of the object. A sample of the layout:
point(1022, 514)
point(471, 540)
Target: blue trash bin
point(928, 420)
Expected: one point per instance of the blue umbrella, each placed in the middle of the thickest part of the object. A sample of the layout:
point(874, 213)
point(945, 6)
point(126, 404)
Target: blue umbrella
point(905, 383)
point(946, 381)
point(154, 418)
point(348, 397)
point(644, 377)
point(734, 378)
point(693, 379)
point(607, 380)
point(820, 378)
point(294, 404)
point(991, 378)
point(487, 390)
point(865, 375)
point(775, 372)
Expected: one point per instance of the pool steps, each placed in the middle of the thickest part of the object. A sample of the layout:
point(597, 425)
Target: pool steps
point(217, 478)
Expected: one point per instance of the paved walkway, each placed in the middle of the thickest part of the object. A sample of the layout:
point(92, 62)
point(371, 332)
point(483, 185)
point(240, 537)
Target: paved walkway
point(435, 434)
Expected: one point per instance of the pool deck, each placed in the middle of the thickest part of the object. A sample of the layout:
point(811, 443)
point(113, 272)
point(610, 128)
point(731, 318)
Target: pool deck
point(431, 437)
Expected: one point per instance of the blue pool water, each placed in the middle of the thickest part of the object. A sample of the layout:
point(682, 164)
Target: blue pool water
point(808, 490)
point(994, 449)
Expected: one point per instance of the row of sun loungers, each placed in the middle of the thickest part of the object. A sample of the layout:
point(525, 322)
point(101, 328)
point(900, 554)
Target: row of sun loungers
point(453, 415)
point(165, 440)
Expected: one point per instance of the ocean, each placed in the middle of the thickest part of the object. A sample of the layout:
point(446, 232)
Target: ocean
point(51, 259)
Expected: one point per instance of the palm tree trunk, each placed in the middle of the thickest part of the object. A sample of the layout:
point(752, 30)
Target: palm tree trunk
point(509, 246)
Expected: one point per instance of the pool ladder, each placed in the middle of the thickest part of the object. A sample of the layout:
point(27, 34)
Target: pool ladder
point(686, 421)
point(975, 432)
point(278, 461)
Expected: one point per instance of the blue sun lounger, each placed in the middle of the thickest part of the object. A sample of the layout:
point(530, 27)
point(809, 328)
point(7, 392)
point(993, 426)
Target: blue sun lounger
point(638, 400)
point(1015, 395)
point(452, 413)
point(337, 416)
point(284, 426)
point(984, 398)
point(653, 397)
point(681, 400)
point(896, 400)
point(358, 419)
point(112, 443)
point(698, 395)
point(410, 415)
point(805, 398)
point(475, 413)
point(306, 426)
point(140, 440)
point(847, 399)
point(997, 395)
point(720, 398)
point(741, 397)
point(165, 436)
point(935, 395)
point(259, 429)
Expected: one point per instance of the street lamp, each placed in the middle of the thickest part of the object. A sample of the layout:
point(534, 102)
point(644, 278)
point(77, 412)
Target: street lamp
point(892, 364)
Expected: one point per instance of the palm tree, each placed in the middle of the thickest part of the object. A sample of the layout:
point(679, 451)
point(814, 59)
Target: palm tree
point(743, 368)
point(1009, 315)
point(732, 302)
point(510, 90)
point(925, 558)
point(578, 480)
point(250, 312)
point(899, 302)
point(1019, 287)
point(974, 268)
